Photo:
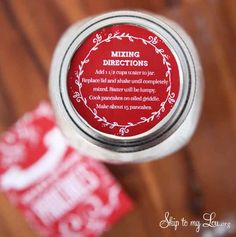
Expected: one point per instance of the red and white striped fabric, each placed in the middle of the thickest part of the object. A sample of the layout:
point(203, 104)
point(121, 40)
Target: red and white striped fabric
point(59, 191)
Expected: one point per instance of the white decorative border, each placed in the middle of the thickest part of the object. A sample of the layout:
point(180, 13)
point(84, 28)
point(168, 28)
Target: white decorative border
point(150, 41)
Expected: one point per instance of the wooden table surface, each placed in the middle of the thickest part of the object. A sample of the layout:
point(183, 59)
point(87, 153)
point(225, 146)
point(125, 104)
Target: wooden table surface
point(199, 178)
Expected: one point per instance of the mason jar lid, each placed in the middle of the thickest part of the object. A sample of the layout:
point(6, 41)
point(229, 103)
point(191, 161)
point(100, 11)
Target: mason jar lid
point(125, 80)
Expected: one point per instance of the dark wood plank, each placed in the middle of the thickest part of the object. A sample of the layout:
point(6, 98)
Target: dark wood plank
point(42, 24)
point(107, 5)
point(11, 222)
point(212, 148)
point(21, 79)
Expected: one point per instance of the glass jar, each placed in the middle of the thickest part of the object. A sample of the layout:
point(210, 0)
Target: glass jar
point(126, 86)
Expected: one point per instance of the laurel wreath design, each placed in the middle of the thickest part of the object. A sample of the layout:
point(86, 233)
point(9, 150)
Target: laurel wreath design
point(124, 128)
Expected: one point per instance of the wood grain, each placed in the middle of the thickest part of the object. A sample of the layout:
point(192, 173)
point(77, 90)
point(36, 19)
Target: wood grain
point(199, 178)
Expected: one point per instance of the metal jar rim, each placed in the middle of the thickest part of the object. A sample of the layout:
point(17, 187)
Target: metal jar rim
point(72, 40)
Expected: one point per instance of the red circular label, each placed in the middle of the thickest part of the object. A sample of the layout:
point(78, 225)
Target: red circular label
point(123, 80)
